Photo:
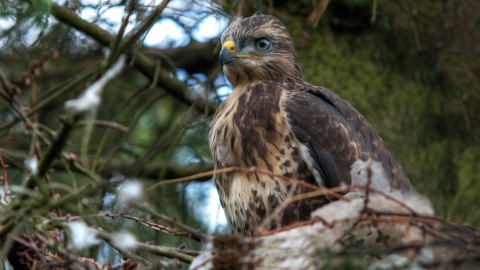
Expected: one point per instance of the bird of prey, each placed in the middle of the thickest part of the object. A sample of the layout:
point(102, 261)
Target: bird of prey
point(276, 121)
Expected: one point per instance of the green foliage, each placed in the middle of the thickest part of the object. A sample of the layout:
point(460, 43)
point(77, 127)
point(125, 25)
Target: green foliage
point(41, 5)
point(139, 131)
point(468, 171)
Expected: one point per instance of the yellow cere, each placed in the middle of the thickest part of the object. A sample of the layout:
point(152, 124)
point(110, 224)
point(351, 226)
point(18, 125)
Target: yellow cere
point(229, 45)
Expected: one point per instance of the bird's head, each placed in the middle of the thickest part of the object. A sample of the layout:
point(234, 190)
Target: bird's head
point(259, 48)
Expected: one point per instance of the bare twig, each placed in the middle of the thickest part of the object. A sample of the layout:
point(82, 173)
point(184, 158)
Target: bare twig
point(104, 123)
point(276, 212)
point(143, 63)
point(114, 45)
point(166, 252)
point(191, 232)
point(165, 229)
point(317, 13)
point(247, 170)
point(145, 25)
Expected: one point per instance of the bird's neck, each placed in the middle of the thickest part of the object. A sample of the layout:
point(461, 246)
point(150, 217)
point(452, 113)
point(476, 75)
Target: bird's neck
point(242, 78)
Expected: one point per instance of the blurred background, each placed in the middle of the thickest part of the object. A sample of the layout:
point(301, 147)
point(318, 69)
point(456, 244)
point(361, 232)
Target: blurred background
point(412, 68)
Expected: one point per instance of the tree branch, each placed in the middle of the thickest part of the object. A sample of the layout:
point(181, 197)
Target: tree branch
point(125, 167)
point(194, 58)
point(143, 63)
point(56, 147)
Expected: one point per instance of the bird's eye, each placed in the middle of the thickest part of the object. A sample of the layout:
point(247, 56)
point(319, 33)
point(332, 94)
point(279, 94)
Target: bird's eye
point(263, 44)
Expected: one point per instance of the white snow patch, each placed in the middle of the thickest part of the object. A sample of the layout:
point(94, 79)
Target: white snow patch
point(91, 97)
point(124, 240)
point(364, 171)
point(130, 191)
point(32, 165)
point(5, 196)
point(82, 235)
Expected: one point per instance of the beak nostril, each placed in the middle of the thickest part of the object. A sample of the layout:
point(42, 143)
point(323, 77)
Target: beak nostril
point(229, 45)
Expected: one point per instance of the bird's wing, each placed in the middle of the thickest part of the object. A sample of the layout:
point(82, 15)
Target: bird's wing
point(337, 136)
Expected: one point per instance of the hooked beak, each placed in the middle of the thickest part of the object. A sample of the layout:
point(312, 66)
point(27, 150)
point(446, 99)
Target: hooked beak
point(227, 53)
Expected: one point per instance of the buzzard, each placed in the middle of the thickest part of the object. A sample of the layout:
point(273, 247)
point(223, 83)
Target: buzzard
point(276, 121)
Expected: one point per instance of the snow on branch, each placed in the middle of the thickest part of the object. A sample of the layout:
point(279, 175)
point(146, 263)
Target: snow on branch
point(91, 99)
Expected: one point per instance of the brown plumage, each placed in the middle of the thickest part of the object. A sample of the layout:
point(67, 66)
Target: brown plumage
point(276, 121)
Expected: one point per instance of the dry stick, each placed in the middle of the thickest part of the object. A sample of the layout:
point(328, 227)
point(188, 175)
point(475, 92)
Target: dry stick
point(310, 222)
point(425, 218)
point(203, 264)
point(69, 256)
point(35, 68)
point(313, 194)
point(247, 170)
point(365, 210)
point(266, 221)
point(319, 219)
point(39, 253)
point(392, 217)
point(190, 177)
point(192, 232)
point(317, 13)
point(319, 190)
point(141, 28)
point(292, 226)
point(42, 103)
point(400, 218)
point(105, 123)
point(165, 229)
point(29, 245)
point(165, 252)
point(365, 206)
point(190, 252)
point(384, 194)
point(15, 105)
point(392, 199)
point(114, 53)
point(108, 238)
